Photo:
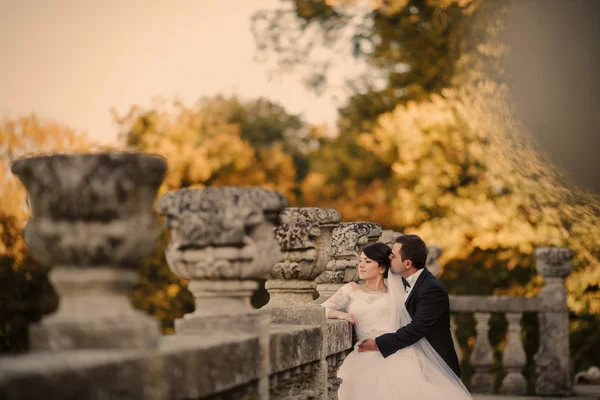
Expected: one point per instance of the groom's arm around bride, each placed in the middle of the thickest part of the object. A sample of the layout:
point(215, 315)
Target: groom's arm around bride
point(426, 301)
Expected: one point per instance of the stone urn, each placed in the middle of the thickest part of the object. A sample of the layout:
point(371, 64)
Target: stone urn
point(304, 238)
point(92, 221)
point(222, 241)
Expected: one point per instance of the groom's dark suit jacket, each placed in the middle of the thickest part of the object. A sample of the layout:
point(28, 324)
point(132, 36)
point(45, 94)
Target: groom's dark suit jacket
point(429, 306)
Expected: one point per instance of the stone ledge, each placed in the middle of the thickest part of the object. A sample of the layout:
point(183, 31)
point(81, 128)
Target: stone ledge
point(339, 336)
point(199, 365)
point(494, 304)
point(184, 366)
point(294, 345)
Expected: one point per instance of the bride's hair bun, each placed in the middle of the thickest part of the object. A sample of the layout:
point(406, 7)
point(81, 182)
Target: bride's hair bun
point(379, 252)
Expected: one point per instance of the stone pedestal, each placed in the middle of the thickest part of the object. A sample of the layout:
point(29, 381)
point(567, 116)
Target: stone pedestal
point(92, 220)
point(304, 238)
point(347, 242)
point(552, 359)
point(222, 241)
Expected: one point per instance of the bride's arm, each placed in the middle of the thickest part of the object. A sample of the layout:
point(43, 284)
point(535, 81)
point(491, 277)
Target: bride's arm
point(337, 305)
point(433, 304)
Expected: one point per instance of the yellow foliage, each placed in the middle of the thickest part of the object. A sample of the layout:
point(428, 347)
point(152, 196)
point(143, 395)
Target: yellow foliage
point(202, 149)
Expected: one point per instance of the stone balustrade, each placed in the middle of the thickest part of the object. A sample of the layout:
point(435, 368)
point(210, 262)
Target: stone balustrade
point(553, 375)
point(92, 221)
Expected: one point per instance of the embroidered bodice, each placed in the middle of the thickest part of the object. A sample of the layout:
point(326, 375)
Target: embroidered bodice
point(371, 310)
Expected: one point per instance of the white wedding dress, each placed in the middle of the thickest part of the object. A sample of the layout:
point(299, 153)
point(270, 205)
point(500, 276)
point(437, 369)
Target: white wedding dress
point(414, 372)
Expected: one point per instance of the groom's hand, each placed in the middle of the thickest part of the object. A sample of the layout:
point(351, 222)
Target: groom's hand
point(368, 345)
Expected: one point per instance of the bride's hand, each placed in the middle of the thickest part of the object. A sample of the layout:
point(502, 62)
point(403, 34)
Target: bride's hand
point(348, 317)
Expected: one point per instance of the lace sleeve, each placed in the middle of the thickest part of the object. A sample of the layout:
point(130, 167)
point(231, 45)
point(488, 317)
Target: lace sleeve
point(339, 301)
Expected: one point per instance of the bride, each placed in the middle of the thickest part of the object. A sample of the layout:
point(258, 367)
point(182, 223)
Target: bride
point(374, 308)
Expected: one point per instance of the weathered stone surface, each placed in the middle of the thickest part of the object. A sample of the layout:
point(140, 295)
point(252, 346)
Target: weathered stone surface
point(83, 374)
point(221, 233)
point(292, 346)
point(339, 336)
point(314, 316)
point(91, 209)
point(181, 367)
point(347, 242)
point(299, 383)
point(213, 365)
point(469, 303)
point(92, 220)
point(481, 357)
point(305, 241)
point(221, 239)
point(334, 362)
point(553, 359)
point(514, 358)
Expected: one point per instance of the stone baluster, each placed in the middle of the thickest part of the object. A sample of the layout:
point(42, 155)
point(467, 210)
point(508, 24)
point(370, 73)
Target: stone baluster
point(347, 242)
point(92, 221)
point(514, 358)
point(482, 357)
point(552, 359)
point(304, 237)
point(222, 241)
point(457, 348)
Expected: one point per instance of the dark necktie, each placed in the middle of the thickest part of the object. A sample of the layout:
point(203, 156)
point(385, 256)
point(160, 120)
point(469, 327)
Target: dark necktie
point(406, 284)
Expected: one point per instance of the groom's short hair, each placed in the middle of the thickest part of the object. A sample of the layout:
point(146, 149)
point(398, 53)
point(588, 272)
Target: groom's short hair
point(413, 249)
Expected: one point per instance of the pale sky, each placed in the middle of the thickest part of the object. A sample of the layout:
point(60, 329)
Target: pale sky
point(74, 60)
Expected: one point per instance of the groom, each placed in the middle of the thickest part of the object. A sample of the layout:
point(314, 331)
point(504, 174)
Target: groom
point(426, 301)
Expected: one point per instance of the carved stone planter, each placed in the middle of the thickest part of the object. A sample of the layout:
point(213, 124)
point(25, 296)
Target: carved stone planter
point(347, 242)
point(305, 241)
point(92, 221)
point(222, 240)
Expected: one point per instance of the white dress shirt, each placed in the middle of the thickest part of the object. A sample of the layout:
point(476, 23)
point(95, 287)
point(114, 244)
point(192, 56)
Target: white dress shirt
point(411, 281)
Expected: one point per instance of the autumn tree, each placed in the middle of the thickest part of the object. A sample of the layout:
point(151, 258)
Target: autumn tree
point(25, 293)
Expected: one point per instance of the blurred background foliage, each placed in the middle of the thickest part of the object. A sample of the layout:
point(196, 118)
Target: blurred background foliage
point(426, 143)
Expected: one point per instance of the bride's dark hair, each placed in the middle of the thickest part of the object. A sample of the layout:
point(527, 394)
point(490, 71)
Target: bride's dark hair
point(379, 252)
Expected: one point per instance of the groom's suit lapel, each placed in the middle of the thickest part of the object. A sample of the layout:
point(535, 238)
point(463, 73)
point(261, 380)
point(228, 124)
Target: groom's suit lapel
point(418, 283)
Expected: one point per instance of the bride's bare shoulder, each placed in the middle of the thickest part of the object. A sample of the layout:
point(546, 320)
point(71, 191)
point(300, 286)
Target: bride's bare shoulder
point(354, 286)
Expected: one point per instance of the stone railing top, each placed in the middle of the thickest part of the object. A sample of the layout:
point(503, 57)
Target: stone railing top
point(182, 367)
point(93, 187)
point(490, 304)
point(218, 216)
